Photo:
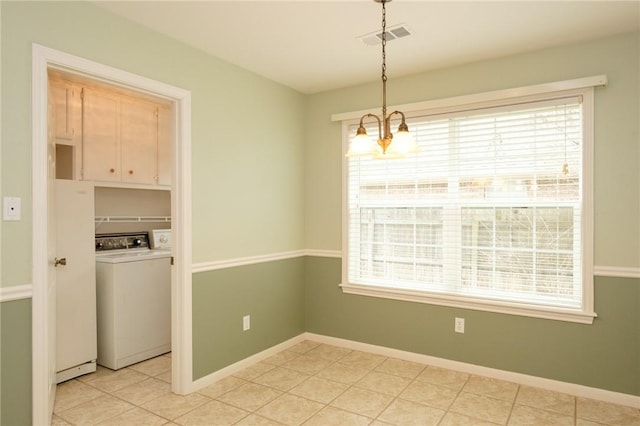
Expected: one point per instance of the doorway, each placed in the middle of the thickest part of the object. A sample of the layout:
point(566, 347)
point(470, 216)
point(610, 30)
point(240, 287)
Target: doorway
point(43, 338)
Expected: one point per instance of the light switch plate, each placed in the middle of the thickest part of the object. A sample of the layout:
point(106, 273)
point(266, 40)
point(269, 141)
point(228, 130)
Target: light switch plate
point(11, 208)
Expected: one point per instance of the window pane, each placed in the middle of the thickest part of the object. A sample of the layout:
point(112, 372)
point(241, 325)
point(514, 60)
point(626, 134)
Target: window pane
point(490, 206)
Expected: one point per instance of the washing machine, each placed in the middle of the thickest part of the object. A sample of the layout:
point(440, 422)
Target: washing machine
point(133, 297)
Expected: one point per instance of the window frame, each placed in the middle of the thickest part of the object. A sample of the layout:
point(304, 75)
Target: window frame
point(579, 87)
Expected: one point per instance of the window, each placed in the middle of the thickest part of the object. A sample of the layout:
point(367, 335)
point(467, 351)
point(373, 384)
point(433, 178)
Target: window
point(493, 213)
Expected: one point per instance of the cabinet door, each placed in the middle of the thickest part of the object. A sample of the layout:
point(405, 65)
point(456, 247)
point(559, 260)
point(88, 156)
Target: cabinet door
point(101, 143)
point(165, 145)
point(139, 144)
point(67, 107)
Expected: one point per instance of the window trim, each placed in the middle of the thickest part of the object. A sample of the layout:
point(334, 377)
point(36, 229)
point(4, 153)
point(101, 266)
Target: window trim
point(581, 87)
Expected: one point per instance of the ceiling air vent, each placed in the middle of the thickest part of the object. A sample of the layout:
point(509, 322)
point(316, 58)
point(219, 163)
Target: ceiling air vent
point(374, 38)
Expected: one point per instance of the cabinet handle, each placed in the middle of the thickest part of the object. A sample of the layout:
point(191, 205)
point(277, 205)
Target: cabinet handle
point(130, 172)
point(112, 170)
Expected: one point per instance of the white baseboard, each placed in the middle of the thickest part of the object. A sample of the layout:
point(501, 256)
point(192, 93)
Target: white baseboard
point(522, 379)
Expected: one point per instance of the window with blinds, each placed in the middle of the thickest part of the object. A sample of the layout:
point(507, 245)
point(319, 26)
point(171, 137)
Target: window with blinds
point(490, 210)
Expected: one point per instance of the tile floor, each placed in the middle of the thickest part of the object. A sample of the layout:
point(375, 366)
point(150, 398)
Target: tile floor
point(317, 384)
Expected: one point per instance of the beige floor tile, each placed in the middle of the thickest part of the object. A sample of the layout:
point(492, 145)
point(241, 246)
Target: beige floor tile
point(290, 409)
point(281, 378)
point(431, 395)
point(343, 373)
point(153, 366)
point(307, 364)
point(173, 406)
point(383, 383)
point(250, 396)
point(443, 377)
point(222, 386)
point(72, 393)
point(583, 422)
point(362, 401)
point(403, 412)
point(455, 419)
point(118, 380)
point(137, 417)
point(329, 352)
point(100, 372)
point(482, 407)
point(363, 360)
point(400, 367)
point(490, 387)
point(304, 346)
point(604, 412)
point(144, 391)
point(331, 416)
point(57, 421)
point(254, 371)
point(523, 416)
point(319, 389)
point(95, 411)
point(256, 420)
point(547, 400)
point(214, 413)
point(281, 357)
point(165, 377)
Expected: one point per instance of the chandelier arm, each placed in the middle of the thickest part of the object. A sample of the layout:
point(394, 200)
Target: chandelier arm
point(377, 118)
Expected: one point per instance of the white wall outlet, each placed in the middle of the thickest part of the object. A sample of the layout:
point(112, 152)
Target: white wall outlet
point(11, 208)
point(459, 325)
point(246, 322)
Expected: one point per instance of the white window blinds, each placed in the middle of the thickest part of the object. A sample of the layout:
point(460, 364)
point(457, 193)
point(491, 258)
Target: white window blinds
point(489, 209)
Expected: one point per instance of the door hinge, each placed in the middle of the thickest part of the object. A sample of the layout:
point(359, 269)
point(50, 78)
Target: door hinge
point(172, 261)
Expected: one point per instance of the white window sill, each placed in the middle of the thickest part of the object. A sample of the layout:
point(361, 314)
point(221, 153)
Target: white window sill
point(559, 314)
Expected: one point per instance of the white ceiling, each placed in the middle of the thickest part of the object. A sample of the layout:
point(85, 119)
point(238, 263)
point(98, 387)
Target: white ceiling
point(313, 46)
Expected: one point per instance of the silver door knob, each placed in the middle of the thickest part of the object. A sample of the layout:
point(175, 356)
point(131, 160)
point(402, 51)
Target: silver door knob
point(62, 261)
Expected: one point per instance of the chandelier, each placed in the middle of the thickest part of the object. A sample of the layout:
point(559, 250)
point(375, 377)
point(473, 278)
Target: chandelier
point(388, 145)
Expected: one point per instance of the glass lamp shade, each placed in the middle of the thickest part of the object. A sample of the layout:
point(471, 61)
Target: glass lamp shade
point(362, 145)
point(403, 144)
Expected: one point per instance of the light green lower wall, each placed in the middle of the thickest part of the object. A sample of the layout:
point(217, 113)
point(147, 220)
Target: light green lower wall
point(15, 363)
point(272, 293)
point(603, 355)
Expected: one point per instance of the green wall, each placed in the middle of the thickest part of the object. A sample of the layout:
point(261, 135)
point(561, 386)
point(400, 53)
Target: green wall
point(603, 355)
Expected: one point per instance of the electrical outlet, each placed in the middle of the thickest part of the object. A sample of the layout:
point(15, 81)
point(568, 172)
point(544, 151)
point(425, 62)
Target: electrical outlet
point(459, 325)
point(246, 322)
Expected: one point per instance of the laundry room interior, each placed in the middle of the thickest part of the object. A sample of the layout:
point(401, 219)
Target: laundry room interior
point(113, 223)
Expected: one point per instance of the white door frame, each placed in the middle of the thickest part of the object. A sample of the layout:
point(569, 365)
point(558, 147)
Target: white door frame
point(44, 58)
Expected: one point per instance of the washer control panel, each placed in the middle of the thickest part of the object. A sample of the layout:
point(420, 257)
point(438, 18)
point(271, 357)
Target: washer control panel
point(122, 241)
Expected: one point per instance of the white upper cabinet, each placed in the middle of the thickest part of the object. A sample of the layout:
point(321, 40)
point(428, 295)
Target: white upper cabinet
point(111, 135)
point(139, 143)
point(101, 136)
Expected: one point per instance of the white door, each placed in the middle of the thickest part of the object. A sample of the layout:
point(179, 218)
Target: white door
point(76, 329)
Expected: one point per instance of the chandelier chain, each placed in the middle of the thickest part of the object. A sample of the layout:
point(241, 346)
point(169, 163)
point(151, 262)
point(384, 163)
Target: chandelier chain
point(384, 41)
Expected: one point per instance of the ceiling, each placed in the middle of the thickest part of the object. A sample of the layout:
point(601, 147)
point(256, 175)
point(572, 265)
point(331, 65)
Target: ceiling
point(314, 46)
